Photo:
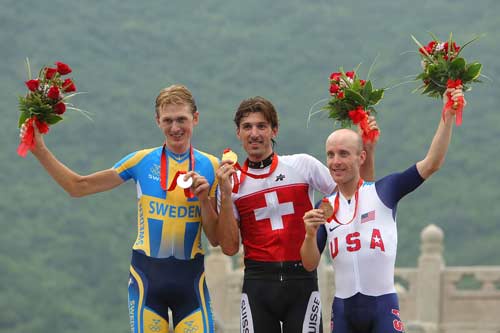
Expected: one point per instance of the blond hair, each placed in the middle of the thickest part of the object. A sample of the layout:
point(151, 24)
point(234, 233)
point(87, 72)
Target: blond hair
point(175, 94)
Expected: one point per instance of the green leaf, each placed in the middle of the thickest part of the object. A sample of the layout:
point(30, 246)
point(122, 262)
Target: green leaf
point(421, 76)
point(450, 42)
point(28, 68)
point(355, 96)
point(372, 66)
point(472, 72)
point(356, 85)
point(367, 90)
point(376, 96)
point(427, 89)
point(432, 68)
point(457, 65)
point(22, 118)
point(52, 119)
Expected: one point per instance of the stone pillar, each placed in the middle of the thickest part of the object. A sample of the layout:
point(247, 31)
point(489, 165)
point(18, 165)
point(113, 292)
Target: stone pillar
point(218, 267)
point(430, 268)
point(326, 281)
point(233, 302)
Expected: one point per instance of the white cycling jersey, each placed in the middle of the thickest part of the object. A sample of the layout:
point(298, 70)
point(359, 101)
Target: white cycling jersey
point(364, 251)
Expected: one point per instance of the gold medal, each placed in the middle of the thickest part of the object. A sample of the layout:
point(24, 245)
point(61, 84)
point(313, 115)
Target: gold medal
point(326, 207)
point(229, 155)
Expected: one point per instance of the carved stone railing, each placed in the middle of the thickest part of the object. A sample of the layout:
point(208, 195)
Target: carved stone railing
point(433, 298)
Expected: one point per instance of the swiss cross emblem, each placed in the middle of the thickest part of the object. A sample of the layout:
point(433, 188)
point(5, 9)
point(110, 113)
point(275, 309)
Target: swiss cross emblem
point(274, 211)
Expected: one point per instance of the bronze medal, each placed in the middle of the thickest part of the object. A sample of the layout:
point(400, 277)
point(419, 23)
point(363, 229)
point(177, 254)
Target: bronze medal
point(327, 208)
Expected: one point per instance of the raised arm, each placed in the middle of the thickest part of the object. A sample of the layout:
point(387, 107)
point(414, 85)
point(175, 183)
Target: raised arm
point(74, 184)
point(441, 141)
point(228, 231)
point(367, 170)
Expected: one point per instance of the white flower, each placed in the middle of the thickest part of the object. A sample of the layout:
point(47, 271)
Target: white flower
point(345, 82)
point(439, 47)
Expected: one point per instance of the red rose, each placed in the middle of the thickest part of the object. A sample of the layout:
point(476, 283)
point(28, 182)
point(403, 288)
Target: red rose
point(431, 44)
point(340, 95)
point(426, 50)
point(53, 93)
point(334, 89)
point(62, 68)
point(454, 47)
point(32, 84)
point(350, 74)
point(335, 76)
point(68, 86)
point(49, 72)
point(59, 108)
point(362, 82)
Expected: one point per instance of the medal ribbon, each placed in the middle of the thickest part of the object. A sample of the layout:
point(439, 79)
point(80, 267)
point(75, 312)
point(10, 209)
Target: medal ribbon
point(336, 206)
point(164, 172)
point(244, 172)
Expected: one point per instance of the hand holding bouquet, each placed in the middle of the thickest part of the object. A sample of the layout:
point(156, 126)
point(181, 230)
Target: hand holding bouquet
point(45, 102)
point(443, 68)
point(351, 102)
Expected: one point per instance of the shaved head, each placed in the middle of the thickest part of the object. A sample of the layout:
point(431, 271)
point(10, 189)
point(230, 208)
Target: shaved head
point(348, 137)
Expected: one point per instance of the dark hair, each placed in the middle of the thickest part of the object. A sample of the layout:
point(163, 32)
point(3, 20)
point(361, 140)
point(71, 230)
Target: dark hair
point(257, 104)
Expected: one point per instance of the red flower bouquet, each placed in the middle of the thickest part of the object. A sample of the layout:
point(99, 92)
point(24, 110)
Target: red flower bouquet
point(45, 102)
point(351, 102)
point(443, 68)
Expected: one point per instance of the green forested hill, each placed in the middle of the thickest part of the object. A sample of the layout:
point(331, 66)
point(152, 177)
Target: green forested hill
point(64, 262)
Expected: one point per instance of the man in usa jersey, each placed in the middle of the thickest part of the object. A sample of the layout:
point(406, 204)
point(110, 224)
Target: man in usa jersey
point(361, 233)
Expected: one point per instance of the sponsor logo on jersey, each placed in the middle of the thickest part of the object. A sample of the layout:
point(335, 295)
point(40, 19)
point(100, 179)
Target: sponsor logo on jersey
point(190, 327)
point(246, 322)
point(140, 235)
point(312, 319)
point(154, 172)
point(331, 229)
point(131, 314)
point(155, 325)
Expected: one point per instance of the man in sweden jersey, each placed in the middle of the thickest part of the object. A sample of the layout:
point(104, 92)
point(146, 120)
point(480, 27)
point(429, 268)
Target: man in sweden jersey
point(167, 269)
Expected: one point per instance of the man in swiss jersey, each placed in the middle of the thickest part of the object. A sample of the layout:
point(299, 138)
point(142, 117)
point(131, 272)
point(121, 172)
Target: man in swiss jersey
point(361, 232)
point(264, 201)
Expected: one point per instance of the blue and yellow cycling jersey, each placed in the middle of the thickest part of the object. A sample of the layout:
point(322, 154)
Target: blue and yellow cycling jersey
point(169, 224)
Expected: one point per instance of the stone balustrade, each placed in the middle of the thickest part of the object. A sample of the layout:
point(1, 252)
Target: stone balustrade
point(433, 298)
